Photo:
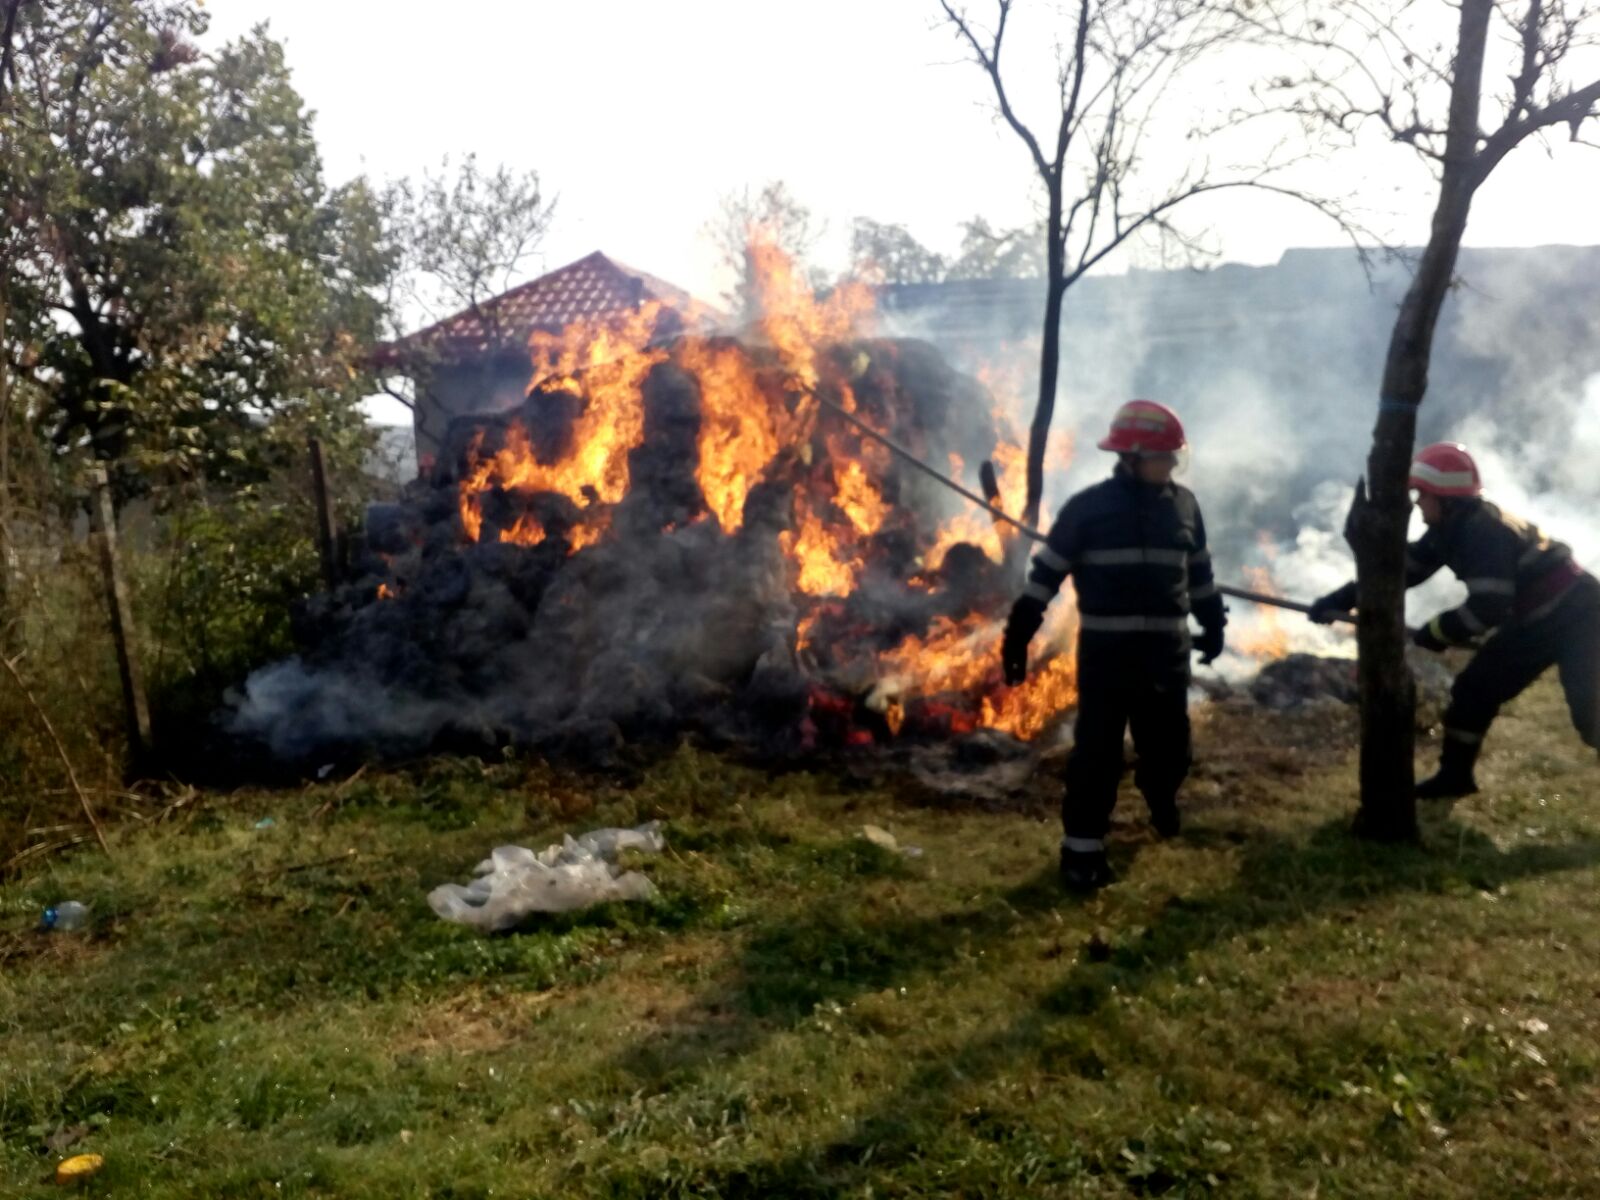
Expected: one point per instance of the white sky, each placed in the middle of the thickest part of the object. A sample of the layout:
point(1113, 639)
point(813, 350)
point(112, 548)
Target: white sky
point(640, 114)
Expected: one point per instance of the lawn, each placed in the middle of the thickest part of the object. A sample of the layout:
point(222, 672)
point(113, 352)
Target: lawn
point(1262, 1007)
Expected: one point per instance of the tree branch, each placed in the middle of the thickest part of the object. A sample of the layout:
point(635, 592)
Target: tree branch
point(1080, 63)
point(1573, 109)
point(990, 62)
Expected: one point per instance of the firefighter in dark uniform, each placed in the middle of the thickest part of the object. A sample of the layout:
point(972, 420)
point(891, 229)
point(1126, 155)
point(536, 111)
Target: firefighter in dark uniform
point(1135, 546)
point(1524, 590)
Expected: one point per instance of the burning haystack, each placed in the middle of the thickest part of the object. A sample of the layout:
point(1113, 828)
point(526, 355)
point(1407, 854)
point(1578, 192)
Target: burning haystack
point(676, 534)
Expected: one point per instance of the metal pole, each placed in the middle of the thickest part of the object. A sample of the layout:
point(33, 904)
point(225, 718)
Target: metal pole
point(998, 514)
point(1029, 531)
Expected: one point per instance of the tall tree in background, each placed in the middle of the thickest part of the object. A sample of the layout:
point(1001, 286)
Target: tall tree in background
point(458, 239)
point(989, 253)
point(180, 274)
point(883, 253)
point(772, 215)
point(1117, 66)
point(1368, 66)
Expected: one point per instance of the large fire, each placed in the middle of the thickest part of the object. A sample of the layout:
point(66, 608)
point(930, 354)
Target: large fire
point(760, 421)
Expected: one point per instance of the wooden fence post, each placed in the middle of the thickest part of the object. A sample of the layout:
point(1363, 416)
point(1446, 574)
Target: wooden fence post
point(319, 491)
point(135, 707)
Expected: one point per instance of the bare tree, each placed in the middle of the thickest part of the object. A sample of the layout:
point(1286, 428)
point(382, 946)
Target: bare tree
point(1375, 65)
point(774, 216)
point(459, 239)
point(1115, 69)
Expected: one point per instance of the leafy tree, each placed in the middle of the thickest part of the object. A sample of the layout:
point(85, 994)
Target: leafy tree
point(881, 253)
point(457, 239)
point(988, 253)
point(179, 274)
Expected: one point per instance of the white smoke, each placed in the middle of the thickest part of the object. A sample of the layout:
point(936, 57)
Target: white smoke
point(1276, 373)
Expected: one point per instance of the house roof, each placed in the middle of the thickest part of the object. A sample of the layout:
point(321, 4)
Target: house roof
point(594, 287)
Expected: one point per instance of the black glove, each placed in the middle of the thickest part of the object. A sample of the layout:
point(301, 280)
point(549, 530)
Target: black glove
point(1014, 660)
point(1209, 644)
point(1427, 639)
point(1027, 614)
point(1326, 609)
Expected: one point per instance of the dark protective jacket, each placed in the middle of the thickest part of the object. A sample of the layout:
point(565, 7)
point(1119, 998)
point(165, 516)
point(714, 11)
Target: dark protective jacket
point(1137, 554)
point(1512, 571)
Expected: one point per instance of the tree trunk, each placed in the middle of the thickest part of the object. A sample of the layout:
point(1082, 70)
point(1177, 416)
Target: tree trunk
point(1049, 357)
point(1377, 525)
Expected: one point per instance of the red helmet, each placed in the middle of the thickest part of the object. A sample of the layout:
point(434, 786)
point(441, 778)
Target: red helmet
point(1144, 427)
point(1445, 469)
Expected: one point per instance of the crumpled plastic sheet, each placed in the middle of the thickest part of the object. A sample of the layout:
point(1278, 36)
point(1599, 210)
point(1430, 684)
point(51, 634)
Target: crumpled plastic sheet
point(514, 883)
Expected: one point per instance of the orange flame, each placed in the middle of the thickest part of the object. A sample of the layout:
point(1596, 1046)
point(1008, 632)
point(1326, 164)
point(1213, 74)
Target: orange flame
point(818, 556)
point(1267, 639)
point(964, 657)
point(740, 433)
point(859, 499)
point(759, 416)
point(604, 363)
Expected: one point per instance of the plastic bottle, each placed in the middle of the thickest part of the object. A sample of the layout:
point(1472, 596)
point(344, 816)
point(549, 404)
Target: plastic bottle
point(65, 917)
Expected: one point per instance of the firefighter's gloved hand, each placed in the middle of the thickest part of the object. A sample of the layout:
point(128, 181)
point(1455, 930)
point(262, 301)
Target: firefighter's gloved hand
point(1427, 639)
point(1014, 661)
point(1209, 644)
point(1027, 614)
point(1325, 610)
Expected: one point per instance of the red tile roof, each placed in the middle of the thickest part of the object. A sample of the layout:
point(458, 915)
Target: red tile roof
point(592, 287)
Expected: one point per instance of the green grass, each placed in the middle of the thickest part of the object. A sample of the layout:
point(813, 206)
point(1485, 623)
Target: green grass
point(1260, 1008)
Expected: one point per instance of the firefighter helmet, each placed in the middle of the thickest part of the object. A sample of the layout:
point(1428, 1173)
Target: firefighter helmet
point(1144, 427)
point(1445, 469)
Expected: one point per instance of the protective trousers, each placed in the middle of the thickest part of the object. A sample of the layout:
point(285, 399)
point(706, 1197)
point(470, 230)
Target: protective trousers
point(1126, 680)
point(1568, 637)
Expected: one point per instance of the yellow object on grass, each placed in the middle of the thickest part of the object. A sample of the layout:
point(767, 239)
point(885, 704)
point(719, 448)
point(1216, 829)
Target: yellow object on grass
point(78, 1168)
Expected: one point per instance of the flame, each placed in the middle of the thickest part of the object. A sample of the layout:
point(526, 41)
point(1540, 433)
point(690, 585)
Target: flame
point(385, 592)
point(964, 657)
point(604, 364)
point(740, 433)
point(760, 419)
point(792, 318)
point(1266, 638)
point(858, 497)
point(816, 553)
point(974, 525)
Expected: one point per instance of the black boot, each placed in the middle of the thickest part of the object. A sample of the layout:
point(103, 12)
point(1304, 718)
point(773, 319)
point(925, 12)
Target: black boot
point(1164, 817)
point(1454, 776)
point(1084, 870)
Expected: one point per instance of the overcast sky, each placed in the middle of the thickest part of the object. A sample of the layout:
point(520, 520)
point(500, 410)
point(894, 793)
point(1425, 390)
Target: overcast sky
point(640, 114)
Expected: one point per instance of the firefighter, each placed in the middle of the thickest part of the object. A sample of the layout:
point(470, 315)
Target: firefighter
point(1523, 590)
point(1135, 546)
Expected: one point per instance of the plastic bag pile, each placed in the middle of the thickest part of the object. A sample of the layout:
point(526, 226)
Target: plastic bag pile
point(514, 883)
